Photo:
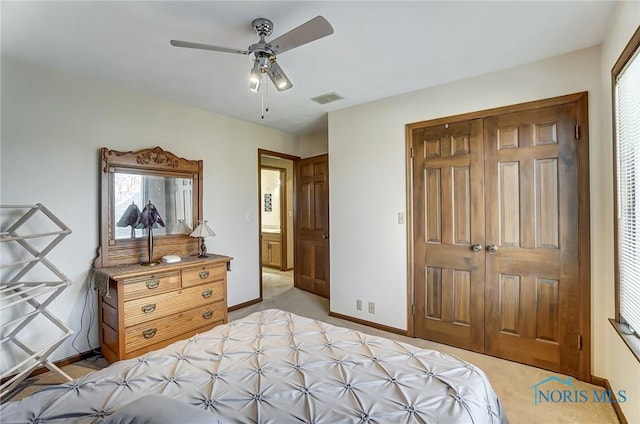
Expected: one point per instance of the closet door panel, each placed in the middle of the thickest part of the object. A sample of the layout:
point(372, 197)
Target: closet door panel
point(448, 197)
point(532, 279)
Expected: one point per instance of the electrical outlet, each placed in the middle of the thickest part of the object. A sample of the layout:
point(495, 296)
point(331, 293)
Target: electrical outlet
point(372, 308)
point(359, 304)
point(400, 217)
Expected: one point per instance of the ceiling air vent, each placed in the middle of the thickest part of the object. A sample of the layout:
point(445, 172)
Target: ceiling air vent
point(327, 98)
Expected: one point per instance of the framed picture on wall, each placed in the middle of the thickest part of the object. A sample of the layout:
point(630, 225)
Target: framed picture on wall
point(268, 202)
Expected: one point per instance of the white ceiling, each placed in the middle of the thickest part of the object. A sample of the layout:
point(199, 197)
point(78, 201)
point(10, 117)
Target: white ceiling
point(378, 49)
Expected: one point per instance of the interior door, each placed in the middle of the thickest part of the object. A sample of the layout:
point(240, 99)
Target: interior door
point(311, 271)
point(449, 234)
point(532, 299)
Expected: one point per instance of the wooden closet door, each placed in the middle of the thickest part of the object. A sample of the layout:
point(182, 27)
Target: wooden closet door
point(532, 295)
point(448, 216)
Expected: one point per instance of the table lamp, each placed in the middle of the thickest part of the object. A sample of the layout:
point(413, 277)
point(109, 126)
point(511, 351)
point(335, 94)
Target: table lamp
point(150, 218)
point(202, 231)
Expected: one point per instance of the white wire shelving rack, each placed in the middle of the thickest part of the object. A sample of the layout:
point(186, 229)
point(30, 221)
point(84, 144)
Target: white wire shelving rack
point(17, 294)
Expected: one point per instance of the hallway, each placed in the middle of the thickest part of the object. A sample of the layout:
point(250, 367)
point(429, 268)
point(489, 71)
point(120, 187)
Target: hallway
point(275, 282)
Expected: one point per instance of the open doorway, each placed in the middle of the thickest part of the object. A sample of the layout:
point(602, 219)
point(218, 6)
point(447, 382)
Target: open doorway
point(276, 200)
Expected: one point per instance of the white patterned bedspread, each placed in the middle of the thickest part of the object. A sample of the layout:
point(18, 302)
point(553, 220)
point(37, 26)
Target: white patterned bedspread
point(276, 367)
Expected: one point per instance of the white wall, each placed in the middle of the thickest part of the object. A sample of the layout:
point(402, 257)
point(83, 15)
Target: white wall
point(613, 359)
point(52, 127)
point(312, 145)
point(368, 183)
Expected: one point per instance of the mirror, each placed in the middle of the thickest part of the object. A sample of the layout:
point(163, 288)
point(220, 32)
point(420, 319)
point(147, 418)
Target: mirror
point(132, 179)
point(172, 197)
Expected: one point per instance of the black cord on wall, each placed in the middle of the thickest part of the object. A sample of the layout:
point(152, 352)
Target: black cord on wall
point(89, 303)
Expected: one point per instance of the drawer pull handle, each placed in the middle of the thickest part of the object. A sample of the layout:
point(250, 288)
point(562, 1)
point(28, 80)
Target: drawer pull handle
point(203, 274)
point(153, 284)
point(147, 309)
point(207, 293)
point(207, 314)
point(150, 332)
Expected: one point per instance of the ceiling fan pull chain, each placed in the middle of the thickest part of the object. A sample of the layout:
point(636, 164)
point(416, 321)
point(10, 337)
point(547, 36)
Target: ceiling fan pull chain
point(262, 96)
point(266, 89)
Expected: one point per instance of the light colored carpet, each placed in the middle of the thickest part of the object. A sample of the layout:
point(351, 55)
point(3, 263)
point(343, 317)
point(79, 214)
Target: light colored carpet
point(512, 381)
point(275, 282)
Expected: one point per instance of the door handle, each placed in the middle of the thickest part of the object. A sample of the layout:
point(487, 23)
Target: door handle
point(325, 236)
point(492, 248)
point(477, 247)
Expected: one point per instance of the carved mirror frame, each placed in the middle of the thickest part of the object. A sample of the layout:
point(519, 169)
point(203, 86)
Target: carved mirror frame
point(158, 162)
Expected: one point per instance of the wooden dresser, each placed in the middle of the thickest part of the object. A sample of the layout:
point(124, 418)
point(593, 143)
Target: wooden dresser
point(145, 308)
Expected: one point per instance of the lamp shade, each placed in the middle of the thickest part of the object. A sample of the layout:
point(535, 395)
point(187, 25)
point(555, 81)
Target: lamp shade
point(186, 227)
point(202, 230)
point(130, 216)
point(149, 217)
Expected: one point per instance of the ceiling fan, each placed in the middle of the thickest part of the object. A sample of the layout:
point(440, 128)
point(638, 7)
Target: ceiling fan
point(264, 52)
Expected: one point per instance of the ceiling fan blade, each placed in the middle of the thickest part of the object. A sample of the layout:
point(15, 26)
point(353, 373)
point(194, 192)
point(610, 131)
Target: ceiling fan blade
point(189, 44)
point(316, 28)
point(278, 77)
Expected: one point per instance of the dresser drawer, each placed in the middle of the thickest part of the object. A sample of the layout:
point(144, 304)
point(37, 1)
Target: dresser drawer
point(134, 288)
point(144, 334)
point(203, 274)
point(161, 305)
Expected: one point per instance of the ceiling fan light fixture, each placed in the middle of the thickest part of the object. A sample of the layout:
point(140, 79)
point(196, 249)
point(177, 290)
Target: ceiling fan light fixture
point(278, 77)
point(254, 75)
point(254, 85)
point(281, 84)
point(254, 78)
point(265, 52)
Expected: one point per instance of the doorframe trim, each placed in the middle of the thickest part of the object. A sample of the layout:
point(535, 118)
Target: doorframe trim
point(294, 159)
point(584, 252)
point(409, 224)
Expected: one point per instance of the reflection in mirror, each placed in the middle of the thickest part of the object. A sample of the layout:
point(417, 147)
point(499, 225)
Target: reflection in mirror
point(172, 197)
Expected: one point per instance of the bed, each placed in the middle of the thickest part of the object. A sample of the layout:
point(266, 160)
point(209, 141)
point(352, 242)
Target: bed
point(274, 367)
